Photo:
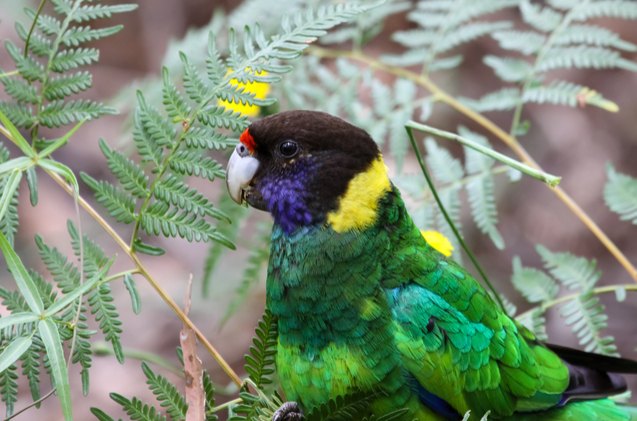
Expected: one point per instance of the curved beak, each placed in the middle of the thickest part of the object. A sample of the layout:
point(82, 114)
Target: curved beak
point(241, 169)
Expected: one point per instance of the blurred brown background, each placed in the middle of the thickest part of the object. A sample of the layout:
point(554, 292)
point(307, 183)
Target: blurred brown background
point(573, 143)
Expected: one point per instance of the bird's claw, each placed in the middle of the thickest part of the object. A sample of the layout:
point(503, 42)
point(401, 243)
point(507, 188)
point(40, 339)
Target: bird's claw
point(289, 411)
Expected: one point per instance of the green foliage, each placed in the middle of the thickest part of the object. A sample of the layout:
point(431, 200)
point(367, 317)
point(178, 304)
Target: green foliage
point(443, 26)
point(260, 361)
point(620, 194)
point(556, 40)
point(44, 82)
point(583, 311)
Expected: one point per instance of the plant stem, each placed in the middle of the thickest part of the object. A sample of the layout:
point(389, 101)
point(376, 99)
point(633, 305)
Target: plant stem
point(546, 178)
point(490, 126)
point(597, 291)
point(144, 272)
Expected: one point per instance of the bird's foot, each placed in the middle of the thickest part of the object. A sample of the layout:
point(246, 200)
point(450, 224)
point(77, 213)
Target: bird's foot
point(289, 411)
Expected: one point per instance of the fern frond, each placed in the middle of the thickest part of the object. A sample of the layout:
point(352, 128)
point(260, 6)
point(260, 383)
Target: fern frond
point(161, 219)
point(98, 11)
point(342, 408)
point(20, 90)
point(480, 190)
point(565, 93)
point(587, 318)
point(9, 388)
point(31, 369)
point(583, 56)
point(175, 104)
point(19, 114)
point(620, 194)
point(573, 271)
point(82, 34)
point(174, 191)
point(509, 69)
point(500, 100)
point(608, 9)
point(535, 285)
point(28, 68)
point(188, 162)
point(58, 113)
point(166, 394)
point(119, 204)
point(207, 138)
point(10, 221)
point(593, 35)
point(130, 175)
point(156, 130)
point(526, 42)
point(259, 363)
point(62, 86)
point(101, 302)
point(541, 18)
point(137, 409)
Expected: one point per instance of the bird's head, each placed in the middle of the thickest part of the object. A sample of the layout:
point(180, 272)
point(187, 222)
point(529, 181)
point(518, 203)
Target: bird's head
point(308, 168)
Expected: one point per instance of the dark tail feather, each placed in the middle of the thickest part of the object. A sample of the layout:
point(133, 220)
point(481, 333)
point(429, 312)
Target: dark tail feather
point(594, 361)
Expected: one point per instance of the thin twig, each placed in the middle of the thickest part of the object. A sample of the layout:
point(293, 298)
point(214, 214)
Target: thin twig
point(31, 405)
point(490, 126)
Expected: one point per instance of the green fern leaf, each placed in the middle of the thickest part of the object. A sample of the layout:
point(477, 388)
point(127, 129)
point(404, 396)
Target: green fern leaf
point(174, 103)
point(58, 113)
point(20, 90)
point(28, 68)
point(119, 204)
point(566, 93)
point(259, 363)
point(153, 125)
point(480, 190)
point(166, 394)
point(19, 115)
point(526, 42)
point(584, 57)
point(194, 85)
point(543, 19)
point(620, 194)
point(509, 69)
point(63, 86)
point(535, 285)
point(137, 409)
point(64, 273)
point(160, 219)
point(174, 191)
point(207, 138)
point(129, 174)
point(469, 32)
point(108, 318)
point(500, 100)
point(607, 8)
point(215, 68)
point(74, 58)
point(99, 11)
point(209, 394)
point(343, 408)
point(9, 388)
point(38, 44)
point(587, 318)
point(188, 162)
point(77, 35)
point(593, 35)
point(9, 223)
point(47, 24)
point(221, 117)
point(31, 369)
point(573, 271)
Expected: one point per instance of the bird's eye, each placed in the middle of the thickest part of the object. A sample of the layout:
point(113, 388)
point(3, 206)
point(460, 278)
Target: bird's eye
point(288, 148)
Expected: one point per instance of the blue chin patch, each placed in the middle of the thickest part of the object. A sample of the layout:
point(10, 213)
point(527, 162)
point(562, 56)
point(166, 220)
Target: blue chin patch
point(286, 199)
point(433, 402)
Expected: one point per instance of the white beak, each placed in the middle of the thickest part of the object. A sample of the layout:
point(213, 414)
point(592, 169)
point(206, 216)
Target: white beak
point(241, 169)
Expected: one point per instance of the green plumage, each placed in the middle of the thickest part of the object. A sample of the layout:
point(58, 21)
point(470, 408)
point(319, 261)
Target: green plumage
point(380, 310)
point(364, 304)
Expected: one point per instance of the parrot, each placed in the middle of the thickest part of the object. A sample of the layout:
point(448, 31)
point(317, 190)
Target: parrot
point(364, 304)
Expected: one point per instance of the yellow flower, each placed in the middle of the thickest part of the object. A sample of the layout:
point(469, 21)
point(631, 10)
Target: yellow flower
point(259, 89)
point(438, 241)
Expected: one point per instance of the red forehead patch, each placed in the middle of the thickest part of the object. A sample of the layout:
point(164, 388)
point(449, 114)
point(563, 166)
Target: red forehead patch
point(247, 139)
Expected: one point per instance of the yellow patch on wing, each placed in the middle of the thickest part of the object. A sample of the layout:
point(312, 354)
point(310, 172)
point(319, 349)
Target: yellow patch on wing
point(438, 241)
point(357, 207)
point(259, 89)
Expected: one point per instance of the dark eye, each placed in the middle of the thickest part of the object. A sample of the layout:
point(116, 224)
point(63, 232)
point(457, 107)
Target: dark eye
point(288, 148)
